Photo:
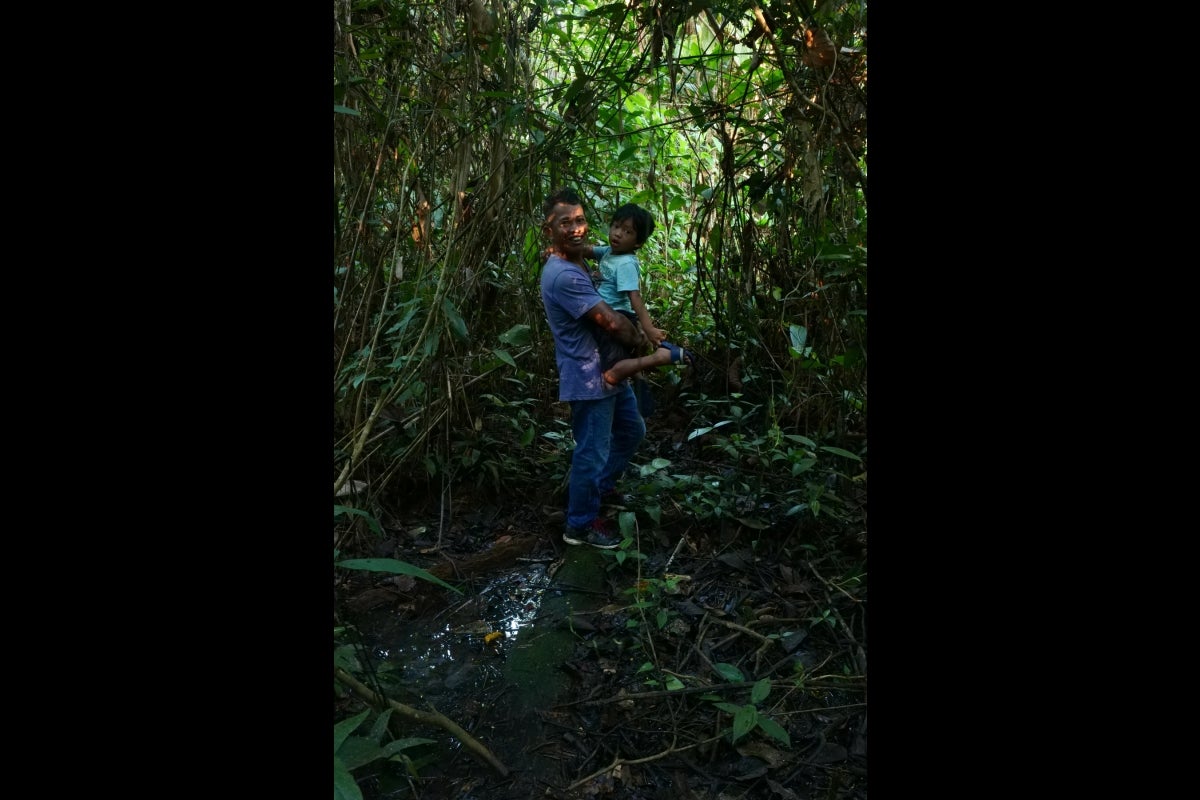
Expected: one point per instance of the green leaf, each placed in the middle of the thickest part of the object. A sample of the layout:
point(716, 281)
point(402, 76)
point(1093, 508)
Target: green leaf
point(379, 728)
point(647, 667)
point(744, 721)
point(505, 357)
point(517, 336)
point(674, 684)
point(394, 566)
point(457, 326)
point(358, 751)
point(343, 729)
point(346, 657)
point(760, 691)
point(344, 787)
point(661, 618)
point(837, 451)
point(799, 335)
point(391, 748)
point(344, 110)
point(774, 730)
point(527, 436)
point(728, 708)
point(430, 344)
point(803, 465)
point(728, 671)
point(339, 510)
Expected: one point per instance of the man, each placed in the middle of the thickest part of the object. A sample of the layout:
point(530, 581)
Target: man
point(605, 419)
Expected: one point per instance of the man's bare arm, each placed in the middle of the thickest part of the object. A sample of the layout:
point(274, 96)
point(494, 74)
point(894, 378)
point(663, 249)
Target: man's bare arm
point(617, 325)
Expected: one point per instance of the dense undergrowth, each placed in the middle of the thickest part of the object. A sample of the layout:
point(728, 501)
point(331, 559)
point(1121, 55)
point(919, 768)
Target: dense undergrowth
point(733, 653)
point(742, 126)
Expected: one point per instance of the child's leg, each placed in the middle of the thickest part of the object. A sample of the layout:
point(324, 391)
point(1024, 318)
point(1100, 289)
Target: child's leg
point(633, 318)
point(632, 366)
point(666, 353)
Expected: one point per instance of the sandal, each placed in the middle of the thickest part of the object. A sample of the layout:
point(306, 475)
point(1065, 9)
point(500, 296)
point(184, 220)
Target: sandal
point(678, 354)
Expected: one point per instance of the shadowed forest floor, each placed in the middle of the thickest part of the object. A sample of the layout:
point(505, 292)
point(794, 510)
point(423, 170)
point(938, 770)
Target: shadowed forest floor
point(729, 661)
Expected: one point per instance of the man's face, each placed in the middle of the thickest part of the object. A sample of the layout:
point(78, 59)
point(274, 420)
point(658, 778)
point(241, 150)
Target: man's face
point(567, 228)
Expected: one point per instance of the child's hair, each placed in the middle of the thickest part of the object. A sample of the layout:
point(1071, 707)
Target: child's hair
point(643, 223)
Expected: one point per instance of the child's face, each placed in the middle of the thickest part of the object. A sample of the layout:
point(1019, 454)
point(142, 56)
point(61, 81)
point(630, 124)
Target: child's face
point(622, 236)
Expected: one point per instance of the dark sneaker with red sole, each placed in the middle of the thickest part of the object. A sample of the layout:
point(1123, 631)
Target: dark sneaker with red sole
point(595, 533)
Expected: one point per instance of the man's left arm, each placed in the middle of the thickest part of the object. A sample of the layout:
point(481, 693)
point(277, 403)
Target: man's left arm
point(617, 325)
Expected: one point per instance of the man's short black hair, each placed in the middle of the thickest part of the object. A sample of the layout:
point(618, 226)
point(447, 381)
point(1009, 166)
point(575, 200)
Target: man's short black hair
point(643, 223)
point(564, 195)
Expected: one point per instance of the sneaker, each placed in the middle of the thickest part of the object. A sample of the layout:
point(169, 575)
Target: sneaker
point(594, 533)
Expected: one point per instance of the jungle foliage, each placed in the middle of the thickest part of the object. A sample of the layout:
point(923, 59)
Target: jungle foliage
point(741, 125)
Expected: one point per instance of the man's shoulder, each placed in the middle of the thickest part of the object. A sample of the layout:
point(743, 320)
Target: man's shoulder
point(559, 273)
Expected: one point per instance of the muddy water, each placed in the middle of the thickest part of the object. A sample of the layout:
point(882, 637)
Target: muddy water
point(492, 662)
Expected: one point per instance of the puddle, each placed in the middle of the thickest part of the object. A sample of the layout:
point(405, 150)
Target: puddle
point(459, 651)
point(493, 663)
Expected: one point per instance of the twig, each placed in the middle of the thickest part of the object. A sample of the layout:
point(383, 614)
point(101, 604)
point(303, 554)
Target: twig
point(428, 717)
point(674, 553)
point(618, 761)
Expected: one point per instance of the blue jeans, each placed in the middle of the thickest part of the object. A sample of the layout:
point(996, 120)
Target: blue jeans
point(607, 432)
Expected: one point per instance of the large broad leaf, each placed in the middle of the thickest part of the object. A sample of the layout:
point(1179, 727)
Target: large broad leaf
point(760, 691)
point(397, 567)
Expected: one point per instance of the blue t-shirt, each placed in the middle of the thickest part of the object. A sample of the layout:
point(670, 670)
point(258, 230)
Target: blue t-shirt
point(618, 277)
point(568, 294)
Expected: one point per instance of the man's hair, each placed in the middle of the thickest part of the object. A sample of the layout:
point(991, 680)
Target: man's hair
point(565, 196)
point(643, 223)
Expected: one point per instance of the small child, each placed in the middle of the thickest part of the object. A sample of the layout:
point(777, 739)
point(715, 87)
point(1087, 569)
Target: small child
point(619, 285)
